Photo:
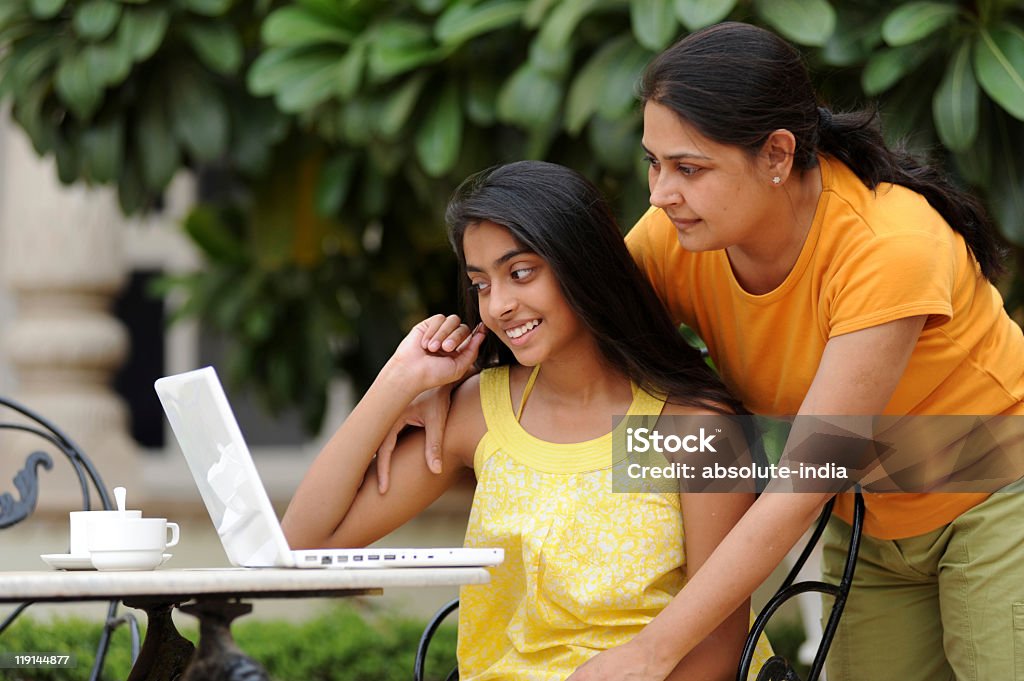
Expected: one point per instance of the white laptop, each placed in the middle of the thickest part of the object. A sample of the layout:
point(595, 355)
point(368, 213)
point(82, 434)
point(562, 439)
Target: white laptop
point(238, 504)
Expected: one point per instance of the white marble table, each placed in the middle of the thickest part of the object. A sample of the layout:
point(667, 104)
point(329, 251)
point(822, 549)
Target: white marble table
point(213, 596)
point(186, 584)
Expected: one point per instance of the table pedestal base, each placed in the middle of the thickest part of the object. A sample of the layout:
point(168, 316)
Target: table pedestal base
point(218, 658)
point(165, 653)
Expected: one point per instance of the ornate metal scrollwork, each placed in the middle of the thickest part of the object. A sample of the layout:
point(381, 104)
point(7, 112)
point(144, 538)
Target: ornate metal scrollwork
point(26, 481)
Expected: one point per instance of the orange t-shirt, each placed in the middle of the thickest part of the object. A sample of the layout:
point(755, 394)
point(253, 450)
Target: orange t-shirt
point(870, 257)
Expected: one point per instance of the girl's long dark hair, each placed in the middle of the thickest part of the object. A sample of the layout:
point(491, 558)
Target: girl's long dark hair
point(737, 84)
point(563, 218)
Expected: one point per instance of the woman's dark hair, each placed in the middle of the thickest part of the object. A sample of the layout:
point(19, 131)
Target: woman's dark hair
point(560, 216)
point(738, 83)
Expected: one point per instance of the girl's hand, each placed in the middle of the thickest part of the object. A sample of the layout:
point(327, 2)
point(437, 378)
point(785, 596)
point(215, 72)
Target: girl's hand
point(627, 662)
point(437, 351)
point(430, 409)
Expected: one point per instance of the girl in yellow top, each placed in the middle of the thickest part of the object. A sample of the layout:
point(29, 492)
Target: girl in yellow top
point(574, 335)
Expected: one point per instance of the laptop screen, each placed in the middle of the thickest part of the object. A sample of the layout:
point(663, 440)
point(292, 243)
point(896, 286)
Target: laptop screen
point(222, 468)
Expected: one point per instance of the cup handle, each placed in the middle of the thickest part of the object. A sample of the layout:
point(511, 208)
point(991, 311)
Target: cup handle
point(175, 533)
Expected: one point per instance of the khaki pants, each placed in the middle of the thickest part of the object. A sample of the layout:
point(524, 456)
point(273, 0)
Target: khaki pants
point(944, 605)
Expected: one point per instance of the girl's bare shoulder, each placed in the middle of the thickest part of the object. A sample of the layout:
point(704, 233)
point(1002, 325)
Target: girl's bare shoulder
point(466, 425)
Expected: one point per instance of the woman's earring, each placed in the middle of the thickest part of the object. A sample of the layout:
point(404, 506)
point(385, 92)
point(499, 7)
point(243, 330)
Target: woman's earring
point(776, 180)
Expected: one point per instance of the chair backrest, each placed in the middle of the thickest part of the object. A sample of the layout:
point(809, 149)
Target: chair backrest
point(428, 634)
point(27, 482)
point(778, 668)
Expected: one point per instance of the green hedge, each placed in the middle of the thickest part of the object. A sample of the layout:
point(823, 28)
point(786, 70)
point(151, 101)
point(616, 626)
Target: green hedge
point(337, 646)
point(340, 645)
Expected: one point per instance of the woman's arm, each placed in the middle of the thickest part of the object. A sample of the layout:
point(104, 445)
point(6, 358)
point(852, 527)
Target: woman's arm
point(338, 502)
point(857, 375)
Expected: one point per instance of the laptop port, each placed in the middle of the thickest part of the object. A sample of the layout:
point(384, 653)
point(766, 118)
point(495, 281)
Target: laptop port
point(326, 560)
point(357, 558)
point(373, 556)
point(389, 556)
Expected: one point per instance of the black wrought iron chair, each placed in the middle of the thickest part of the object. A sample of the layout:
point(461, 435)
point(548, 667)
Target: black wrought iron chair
point(779, 668)
point(27, 483)
point(428, 635)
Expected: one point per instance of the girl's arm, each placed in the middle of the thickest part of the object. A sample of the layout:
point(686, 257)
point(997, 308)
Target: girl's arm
point(338, 502)
point(857, 375)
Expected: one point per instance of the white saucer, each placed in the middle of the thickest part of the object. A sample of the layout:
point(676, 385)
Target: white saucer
point(67, 561)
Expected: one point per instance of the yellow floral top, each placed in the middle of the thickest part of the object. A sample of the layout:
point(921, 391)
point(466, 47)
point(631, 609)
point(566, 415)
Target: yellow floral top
point(585, 568)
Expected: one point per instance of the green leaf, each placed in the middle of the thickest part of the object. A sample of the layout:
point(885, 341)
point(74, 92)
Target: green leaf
point(805, 22)
point(551, 49)
point(156, 149)
point(65, 152)
point(334, 184)
point(142, 30)
point(1007, 191)
point(217, 45)
point(95, 19)
point(131, 195)
point(955, 103)
point(214, 237)
point(586, 90)
point(999, 65)
point(430, 6)
point(696, 14)
point(399, 106)
point(102, 146)
point(439, 138)
point(310, 86)
point(909, 23)
point(46, 9)
point(887, 66)
point(109, 63)
point(615, 142)
point(279, 66)
point(654, 23)
point(350, 70)
point(619, 91)
point(481, 99)
point(400, 46)
point(854, 40)
point(530, 98)
point(29, 60)
point(292, 26)
point(463, 22)
point(210, 8)
point(535, 12)
point(76, 86)
point(256, 126)
point(198, 114)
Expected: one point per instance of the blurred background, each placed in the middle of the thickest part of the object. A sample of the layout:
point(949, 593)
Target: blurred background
point(259, 185)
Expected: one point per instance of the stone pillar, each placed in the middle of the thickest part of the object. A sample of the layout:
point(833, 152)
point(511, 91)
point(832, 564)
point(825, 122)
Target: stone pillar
point(62, 264)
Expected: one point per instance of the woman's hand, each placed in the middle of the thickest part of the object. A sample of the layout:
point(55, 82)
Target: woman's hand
point(438, 338)
point(628, 662)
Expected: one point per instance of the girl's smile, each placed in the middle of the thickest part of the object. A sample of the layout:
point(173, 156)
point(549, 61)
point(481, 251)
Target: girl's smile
point(519, 298)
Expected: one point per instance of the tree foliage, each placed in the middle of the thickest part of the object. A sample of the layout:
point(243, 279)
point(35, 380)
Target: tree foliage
point(328, 134)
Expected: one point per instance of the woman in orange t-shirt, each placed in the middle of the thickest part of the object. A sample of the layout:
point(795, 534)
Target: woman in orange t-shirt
point(830, 275)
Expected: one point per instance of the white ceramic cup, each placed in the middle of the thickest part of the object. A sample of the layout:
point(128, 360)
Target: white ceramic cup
point(78, 544)
point(113, 533)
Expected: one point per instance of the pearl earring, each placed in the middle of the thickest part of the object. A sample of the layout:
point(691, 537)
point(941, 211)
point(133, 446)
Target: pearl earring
point(776, 180)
